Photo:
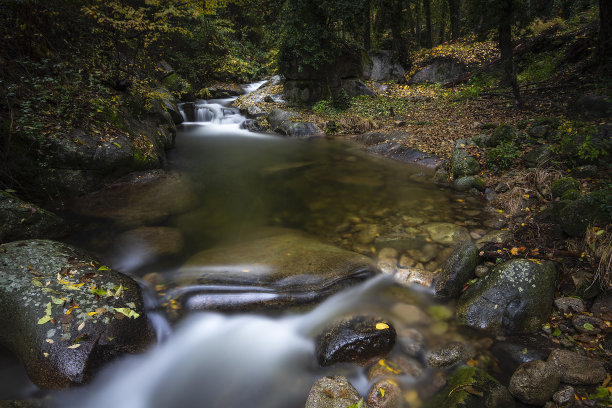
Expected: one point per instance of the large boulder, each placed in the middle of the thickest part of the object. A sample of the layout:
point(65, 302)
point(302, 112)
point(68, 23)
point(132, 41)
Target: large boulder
point(515, 297)
point(590, 209)
point(383, 67)
point(64, 314)
point(534, 383)
point(23, 220)
point(280, 269)
point(440, 70)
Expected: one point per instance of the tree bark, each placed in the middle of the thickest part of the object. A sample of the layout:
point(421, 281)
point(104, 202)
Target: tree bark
point(398, 43)
point(367, 33)
point(454, 10)
point(428, 36)
point(505, 16)
point(605, 30)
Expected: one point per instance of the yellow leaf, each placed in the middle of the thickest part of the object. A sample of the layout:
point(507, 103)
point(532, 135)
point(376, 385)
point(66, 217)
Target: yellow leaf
point(381, 326)
point(514, 251)
point(75, 346)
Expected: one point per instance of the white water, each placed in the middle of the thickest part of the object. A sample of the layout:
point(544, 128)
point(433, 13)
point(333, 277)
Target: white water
point(212, 360)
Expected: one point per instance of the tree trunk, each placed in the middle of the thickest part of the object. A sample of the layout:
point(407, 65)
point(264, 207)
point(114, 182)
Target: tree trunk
point(454, 10)
point(605, 30)
point(398, 44)
point(417, 9)
point(367, 32)
point(505, 47)
point(428, 37)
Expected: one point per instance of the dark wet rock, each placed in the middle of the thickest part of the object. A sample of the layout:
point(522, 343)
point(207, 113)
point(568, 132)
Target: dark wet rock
point(449, 355)
point(141, 198)
point(498, 237)
point(458, 269)
point(441, 70)
point(446, 233)
point(590, 107)
point(441, 176)
point(28, 403)
point(385, 394)
point(395, 366)
point(471, 387)
point(576, 369)
point(466, 183)
point(22, 220)
point(390, 144)
point(357, 339)
point(602, 306)
point(281, 269)
point(534, 383)
point(481, 270)
point(590, 209)
point(569, 305)
point(332, 392)
point(63, 316)
point(587, 324)
point(559, 187)
point(537, 157)
point(513, 351)
point(383, 67)
point(462, 164)
point(565, 396)
point(411, 341)
point(515, 297)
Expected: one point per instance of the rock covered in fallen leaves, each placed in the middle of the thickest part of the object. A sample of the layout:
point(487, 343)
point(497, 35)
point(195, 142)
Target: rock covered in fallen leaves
point(23, 220)
point(333, 392)
point(64, 314)
point(357, 339)
point(534, 383)
point(515, 297)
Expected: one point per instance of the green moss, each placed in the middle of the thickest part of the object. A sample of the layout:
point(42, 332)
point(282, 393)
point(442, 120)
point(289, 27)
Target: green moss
point(468, 387)
point(571, 195)
point(563, 185)
point(504, 133)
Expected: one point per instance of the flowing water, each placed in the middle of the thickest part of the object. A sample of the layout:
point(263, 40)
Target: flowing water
point(240, 183)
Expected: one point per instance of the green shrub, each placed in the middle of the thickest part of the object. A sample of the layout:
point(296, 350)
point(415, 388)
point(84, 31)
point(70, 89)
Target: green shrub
point(503, 156)
point(341, 100)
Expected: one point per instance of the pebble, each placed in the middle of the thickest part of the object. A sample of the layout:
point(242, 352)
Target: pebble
point(411, 341)
point(409, 276)
point(449, 355)
point(384, 394)
point(481, 271)
point(406, 262)
point(565, 396)
point(387, 253)
point(587, 324)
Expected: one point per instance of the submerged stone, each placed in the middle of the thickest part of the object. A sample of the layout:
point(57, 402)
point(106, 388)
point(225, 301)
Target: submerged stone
point(332, 392)
point(283, 269)
point(64, 314)
point(446, 233)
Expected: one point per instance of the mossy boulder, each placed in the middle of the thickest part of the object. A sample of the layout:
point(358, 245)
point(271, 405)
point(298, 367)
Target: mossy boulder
point(559, 187)
point(23, 220)
point(462, 164)
point(503, 133)
point(471, 387)
point(516, 297)
point(591, 209)
point(64, 314)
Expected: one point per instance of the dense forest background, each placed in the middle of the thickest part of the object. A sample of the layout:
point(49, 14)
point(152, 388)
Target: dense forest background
point(68, 64)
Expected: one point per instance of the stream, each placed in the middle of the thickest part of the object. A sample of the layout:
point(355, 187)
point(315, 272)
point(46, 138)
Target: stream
point(241, 185)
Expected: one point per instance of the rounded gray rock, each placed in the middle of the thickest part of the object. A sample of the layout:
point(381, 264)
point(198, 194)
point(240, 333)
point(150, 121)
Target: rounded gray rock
point(576, 369)
point(534, 383)
point(332, 392)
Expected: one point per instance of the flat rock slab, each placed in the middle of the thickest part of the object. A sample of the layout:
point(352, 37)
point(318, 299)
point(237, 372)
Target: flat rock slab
point(64, 314)
point(140, 199)
point(276, 271)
